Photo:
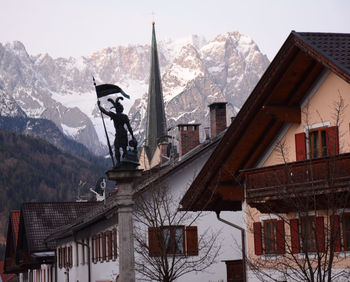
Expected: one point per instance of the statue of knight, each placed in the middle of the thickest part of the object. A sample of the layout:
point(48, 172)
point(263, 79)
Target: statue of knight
point(121, 135)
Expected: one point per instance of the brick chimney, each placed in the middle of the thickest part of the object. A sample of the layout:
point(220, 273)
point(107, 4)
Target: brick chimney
point(188, 137)
point(217, 118)
point(163, 146)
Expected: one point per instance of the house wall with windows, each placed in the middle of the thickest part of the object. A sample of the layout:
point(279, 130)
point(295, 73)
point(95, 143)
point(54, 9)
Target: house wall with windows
point(317, 112)
point(93, 249)
point(272, 235)
point(229, 238)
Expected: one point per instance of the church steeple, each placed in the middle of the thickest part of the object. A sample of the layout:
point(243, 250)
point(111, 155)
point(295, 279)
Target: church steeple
point(156, 128)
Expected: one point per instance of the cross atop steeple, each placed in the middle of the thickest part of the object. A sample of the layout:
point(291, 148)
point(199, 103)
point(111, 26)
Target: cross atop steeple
point(156, 128)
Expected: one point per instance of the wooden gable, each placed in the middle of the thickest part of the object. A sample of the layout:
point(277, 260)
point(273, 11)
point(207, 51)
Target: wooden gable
point(274, 102)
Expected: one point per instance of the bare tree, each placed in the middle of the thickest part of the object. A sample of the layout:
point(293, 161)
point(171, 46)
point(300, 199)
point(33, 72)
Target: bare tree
point(304, 203)
point(167, 243)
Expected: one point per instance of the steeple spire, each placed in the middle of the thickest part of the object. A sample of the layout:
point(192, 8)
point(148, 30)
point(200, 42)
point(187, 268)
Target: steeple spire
point(156, 128)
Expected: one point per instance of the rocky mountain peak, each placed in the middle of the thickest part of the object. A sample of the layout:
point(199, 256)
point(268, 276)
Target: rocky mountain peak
point(195, 73)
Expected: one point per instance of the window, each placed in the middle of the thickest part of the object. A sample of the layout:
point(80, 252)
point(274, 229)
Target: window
point(346, 231)
point(270, 245)
point(271, 238)
point(321, 142)
point(317, 143)
point(65, 257)
point(104, 246)
point(308, 233)
point(173, 240)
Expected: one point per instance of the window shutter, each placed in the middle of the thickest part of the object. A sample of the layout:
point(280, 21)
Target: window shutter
point(192, 241)
point(257, 238)
point(97, 249)
point(104, 255)
point(332, 140)
point(93, 249)
point(64, 262)
point(70, 256)
point(300, 146)
point(280, 237)
point(336, 232)
point(109, 245)
point(60, 257)
point(115, 244)
point(100, 246)
point(154, 237)
point(294, 233)
point(320, 233)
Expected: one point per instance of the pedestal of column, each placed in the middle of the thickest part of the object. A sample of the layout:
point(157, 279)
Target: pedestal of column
point(125, 184)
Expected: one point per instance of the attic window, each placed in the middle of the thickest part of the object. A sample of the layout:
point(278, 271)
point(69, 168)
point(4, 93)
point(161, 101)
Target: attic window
point(318, 143)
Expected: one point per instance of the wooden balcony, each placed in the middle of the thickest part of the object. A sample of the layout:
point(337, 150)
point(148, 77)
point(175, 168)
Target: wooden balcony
point(281, 188)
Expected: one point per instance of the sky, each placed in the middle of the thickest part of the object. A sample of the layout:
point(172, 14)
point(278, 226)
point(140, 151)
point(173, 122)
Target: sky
point(64, 28)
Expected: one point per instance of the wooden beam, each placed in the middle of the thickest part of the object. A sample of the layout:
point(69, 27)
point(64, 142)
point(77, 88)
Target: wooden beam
point(284, 113)
point(231, 193)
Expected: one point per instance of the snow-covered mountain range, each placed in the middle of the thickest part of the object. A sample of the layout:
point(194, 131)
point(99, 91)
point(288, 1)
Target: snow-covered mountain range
point(195, 73)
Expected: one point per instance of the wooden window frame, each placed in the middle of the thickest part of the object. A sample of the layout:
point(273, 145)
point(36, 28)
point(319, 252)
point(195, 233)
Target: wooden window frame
point(110, 246)
point(114, 244)
point(311, 236)
point(171, 247)
point(182, 241)
point(321, 149)
point(273, 236)
point(104, 246)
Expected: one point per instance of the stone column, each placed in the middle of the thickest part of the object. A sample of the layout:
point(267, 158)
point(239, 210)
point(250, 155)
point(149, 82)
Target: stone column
point(125, 183)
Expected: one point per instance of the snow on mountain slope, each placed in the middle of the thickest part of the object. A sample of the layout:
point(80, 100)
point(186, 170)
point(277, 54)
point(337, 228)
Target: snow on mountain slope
point(195, 73)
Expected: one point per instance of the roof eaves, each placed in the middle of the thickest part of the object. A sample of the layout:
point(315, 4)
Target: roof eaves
point(321, 56)
point(253, 102)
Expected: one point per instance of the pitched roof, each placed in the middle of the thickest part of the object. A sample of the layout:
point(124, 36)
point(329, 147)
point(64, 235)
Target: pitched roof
point(151, 176)
point(333, 46)
point(156, 128)
point(301, 61)
point(40, 219)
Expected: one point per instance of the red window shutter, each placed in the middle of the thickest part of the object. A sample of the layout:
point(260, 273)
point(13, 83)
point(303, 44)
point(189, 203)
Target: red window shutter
point(336, 232)
point(115, 244)
point(332, 140)
point(320, 233)
point(257, 238)
point(192, 241)
point(60, 257)
point(300, 146)
point(64, 257)
point(154, 237)
point(104, 254)
point(109, 244)
point(294, 233)
point(70, 256)
point(100, 247)
point(97, 252)
point(280, 237)
point(93, 253)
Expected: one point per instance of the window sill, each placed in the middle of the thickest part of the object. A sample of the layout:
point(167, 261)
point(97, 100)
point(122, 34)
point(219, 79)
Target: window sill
point(271, 256)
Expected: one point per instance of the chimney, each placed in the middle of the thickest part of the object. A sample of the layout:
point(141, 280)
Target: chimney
point(217, 118)
point(188, 137)
point(163, 146)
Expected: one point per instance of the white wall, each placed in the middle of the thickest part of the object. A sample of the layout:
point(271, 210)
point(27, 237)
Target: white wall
point(229, 238)
point(100, 271)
